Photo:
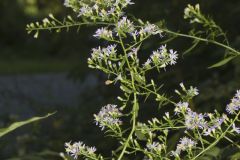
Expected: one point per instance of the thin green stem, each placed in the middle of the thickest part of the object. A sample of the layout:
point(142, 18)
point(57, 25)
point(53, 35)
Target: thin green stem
point(77, 24)
point(134, 114)
point(203, 40)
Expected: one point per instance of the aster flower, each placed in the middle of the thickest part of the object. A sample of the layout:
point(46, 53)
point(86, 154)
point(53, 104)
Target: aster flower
point(134, 34)
point(184, 145)
point(237, 94)
point(236, 129)
point(159, 55)
point(181, 107)
point(111, 11)
point(74, 149)
point(91, 150)
point(66, 3)
point(133, 52)
point(193, 91)
point(129, 2)
point(103, 33)
point(162, 58)
point(100, 53)
point(95, 7)
point(150, 29)
point(173, 56)
point(154, 147)
point(79, 148)
point(234, 106)
point(216, 123)
point(108, 116)
point(85, 11)
point(147, 64)
point(194, 120)
point(125, 25)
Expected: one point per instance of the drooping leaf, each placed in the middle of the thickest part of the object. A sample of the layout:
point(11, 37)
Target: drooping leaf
point(16, 125)
point(223, 62)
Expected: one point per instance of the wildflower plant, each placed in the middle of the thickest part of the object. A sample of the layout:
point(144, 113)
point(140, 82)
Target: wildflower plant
point(119, 59)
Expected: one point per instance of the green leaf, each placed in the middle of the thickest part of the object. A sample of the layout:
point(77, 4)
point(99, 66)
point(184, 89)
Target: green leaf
point(223, 62)
point(236, 156)
point(16, 125)
point(141, 136)
point(214, 152)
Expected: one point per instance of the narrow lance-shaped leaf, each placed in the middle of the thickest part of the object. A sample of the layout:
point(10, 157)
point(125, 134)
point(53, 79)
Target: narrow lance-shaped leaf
point(223, 62)
point(16, 125)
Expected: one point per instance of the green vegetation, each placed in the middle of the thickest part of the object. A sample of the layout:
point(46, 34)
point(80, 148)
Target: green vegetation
point(25, 66)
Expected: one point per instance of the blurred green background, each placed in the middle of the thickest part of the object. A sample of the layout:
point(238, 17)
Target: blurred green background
point(47, 74)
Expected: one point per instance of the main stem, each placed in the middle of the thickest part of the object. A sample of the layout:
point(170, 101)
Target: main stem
point(135, 101)
point(134, 116)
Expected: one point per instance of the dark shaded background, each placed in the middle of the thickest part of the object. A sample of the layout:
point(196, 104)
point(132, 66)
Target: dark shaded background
point(38, 76)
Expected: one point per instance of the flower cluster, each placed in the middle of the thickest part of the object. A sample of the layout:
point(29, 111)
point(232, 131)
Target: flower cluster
point(125, 25)
point(100, 56)
point(161, 58)
point(215, 124)
point(108, 117)
point(234, 106)
point(186, 144)
point(79, 148)
point(194, 120)
point(102, 9)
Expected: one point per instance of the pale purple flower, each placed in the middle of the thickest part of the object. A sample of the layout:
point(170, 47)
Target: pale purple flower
point(103, 33)
point(129, 2)
point(147, 63)
point(155, 146)
point(150, 29)
point(173, 56)
point(111, 11)
point(212, 127)
point(74, 149)
point(238, 94)
point(185, 144)
point(125, 25)
point(209, 131)
point(134, 34)
point(91, 150)
point(194, 120)
point(85, 11)
point(236, 129)
point(193, 91)
point(100, 53)
point(110, 50)
point(66, 3)
point(234, 106)
point(181, 107)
